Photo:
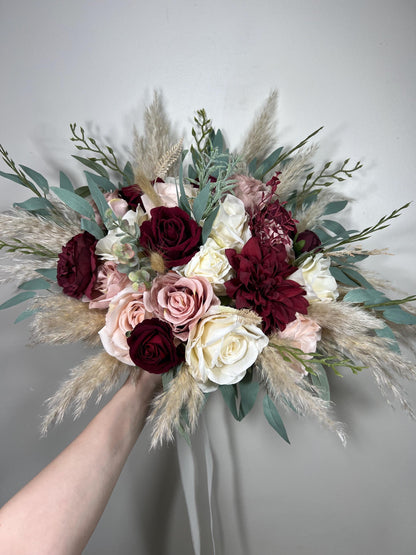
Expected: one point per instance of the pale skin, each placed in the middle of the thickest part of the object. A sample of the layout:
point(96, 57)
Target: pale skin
point(57, 511)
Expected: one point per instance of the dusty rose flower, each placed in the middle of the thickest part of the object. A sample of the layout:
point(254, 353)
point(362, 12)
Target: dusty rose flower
point(251, 191)
point(109, 282)
point(304, 333)
point(118, 205)
point(180, 301)
point(125, 312)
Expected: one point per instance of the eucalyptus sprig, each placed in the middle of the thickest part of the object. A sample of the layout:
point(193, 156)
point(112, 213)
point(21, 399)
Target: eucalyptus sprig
point(306, 360)
point(18, 176)
point(106, 157)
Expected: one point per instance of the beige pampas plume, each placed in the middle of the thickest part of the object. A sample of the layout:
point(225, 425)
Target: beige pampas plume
point(147, 188)
point(310, 217)
point(294, 171)
point(99, 373)
point(260, 138)
point(168, 159)
point(20, 270)
point(61, 319)
point(349, 330)
point(156, 141)
point(282, 380)
point(182, 392)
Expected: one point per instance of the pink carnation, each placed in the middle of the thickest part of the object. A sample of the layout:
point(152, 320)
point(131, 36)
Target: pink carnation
point(125, 312)
point(180, 301)
point(109, 282)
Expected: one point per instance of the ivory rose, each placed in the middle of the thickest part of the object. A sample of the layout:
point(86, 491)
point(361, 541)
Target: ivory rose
point(211, 263)
point(230, 228)
point(222, 347)
point(179, 301)
point(125, 312)
point(110, 247)
point(168, 193)
point(314, 275)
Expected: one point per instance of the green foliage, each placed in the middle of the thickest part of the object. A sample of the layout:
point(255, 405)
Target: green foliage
point(75, 202)
point(17, 299)
point(273, 418)
point(40, 181)
point(16, 245)
point(320, 381)
point(65, 182)
point(268, 164)
point(17, 176)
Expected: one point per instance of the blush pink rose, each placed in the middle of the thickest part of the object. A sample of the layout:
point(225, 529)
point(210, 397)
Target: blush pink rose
point(168, 192)
point(118, 205)
point(180, 301)
point(109, 282)
point(304, 333)
point(126, 310)
point(251, 191)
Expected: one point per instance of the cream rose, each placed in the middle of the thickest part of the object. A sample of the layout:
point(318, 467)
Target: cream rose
point(211, 263)
point(221, 348)
point(230, 228)
point(125, 312)
point(110, 247)
point(315, 277)
point(168, 193)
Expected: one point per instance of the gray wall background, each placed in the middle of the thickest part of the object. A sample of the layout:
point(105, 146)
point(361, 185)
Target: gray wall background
point(346, 65)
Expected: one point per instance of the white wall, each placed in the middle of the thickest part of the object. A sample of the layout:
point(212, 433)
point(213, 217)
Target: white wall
point(346, 65)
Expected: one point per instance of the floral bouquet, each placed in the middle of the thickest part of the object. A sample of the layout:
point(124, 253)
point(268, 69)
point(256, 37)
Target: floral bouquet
point(220, 270)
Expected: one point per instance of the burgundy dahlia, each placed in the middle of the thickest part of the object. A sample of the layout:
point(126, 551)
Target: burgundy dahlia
point(171, 233)
point(77, 265)
point(261, 284)
point(152, 347)
point(273, 225)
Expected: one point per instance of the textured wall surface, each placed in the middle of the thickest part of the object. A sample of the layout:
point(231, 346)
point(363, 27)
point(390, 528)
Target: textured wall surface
point(346, 65)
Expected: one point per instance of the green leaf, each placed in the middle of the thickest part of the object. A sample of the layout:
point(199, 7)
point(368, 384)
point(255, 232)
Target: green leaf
point(361, 295)
point(200, 203)
point(336, 228)
point(183, 199)
point(25, 314)
point(75, 202)
point(35, 284)
point(97, 196)
point(93, 228)
point(248, 395)
point(38, 178)
point(19, 298)
point(209, 222)
point(92, 165)
point(273, 418)
point(229, 392)
point(320, 381)
point(268, 164)
point(102, 182)
point(49, 273)
point(388, 333)
point(35, 204)
point(65, 182)
point(334, 207)
point(354, 275)
point(323, 235)
point(128, 175)
point(252, 166)
point(339, 275)
point(399, 316)
point(14, 178)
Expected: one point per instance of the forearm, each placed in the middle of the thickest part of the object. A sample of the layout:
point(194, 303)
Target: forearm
point(59, 509)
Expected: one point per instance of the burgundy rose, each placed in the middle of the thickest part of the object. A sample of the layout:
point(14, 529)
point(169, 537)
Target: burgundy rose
point(152, 347)
point(261, 284)
point(171, 233)
point(132, 195)
point(310, 241)
point(77, 265)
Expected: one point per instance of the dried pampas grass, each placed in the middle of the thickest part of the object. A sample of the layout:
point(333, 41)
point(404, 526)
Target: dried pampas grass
point(99, 373)
point(283, 382)
point(293, 171)
point(183, 393)
point(61, 319)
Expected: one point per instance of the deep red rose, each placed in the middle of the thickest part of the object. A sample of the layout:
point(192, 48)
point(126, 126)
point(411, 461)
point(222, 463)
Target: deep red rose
point(311, 241)
point(132, 195)
point(152, 347)
point(77, 266)
point(172, 233)
point(261, 284)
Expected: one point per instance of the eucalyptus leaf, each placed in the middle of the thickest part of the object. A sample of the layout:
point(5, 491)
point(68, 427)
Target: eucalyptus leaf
point(128, 175)
point(268, 164)
point(339, 275)
point(361, 295)
point(92, 165)
point(17, 299)
point(200, 203)
point(38, 178)
point(25, 314)
point(75, 202)
point(399, 316)
point(273, 418)
point(35, 284)
point(35, 205)
point(97, 197)
point(334, 207)
point(320, 381)
point(387, 332)
point(92, 227)
point(248, 395)
point(65, 182)
point(229, 394)
point(102, 182)
point(209, 222)
point(14, 177)
point(218, 141)
point(354, 275)
point(336, 227)
point(183, 199)
point(252, 166)
point(49, 273)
